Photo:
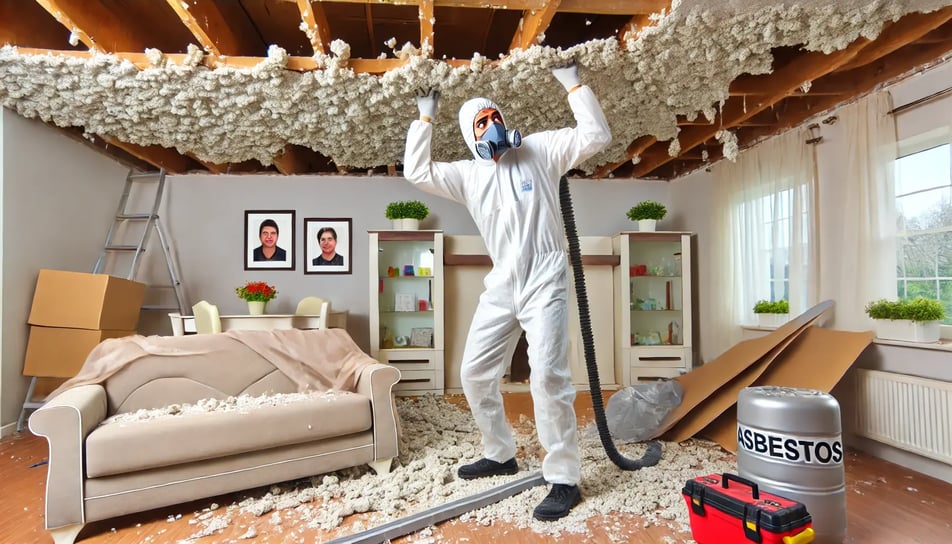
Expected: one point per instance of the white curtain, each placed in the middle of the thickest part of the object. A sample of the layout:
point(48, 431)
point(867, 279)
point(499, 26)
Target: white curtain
point(866, 244)
point(765, 222)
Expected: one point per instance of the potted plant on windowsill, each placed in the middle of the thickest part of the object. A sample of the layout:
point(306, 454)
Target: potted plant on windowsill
point(647, 213)
point(406, 215)
point(772, 314)
point(916, 320)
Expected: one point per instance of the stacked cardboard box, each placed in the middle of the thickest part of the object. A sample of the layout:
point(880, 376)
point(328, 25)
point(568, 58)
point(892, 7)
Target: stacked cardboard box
point(73, 312)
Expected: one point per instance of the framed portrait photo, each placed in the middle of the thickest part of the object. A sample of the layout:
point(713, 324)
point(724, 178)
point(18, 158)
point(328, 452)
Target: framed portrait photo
point(269, 240)
point(328, 245)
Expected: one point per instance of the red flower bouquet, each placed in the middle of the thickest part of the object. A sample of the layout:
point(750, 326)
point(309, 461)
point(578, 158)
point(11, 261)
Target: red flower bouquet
point(256, 291)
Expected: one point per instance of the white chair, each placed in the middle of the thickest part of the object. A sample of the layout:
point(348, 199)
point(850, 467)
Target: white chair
point(314, 306)
point(207, 319)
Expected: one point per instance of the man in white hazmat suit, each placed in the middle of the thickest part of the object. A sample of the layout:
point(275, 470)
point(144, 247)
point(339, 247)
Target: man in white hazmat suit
point(511, 190)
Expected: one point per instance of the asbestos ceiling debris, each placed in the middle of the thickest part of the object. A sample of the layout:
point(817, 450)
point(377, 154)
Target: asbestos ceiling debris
point(328, 87)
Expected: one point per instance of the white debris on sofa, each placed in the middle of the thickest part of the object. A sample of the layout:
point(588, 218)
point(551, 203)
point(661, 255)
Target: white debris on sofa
point(241, 403)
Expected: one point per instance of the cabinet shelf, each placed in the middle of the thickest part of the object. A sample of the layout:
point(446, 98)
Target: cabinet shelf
point(410, 339)
point(655, 306)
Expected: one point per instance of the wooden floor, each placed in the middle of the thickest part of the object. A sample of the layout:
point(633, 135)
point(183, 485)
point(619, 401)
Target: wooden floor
point(886, 504)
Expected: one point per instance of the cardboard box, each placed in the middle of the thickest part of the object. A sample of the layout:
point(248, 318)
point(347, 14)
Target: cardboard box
point(54, 352)
point(78, 300)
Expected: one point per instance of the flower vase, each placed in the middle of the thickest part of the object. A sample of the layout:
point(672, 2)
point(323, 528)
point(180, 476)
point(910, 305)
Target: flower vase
point(256, 307)
point(647, 225)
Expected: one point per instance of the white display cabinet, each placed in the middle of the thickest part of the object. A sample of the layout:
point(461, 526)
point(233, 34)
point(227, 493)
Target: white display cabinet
point(406, 307)
point(654, 325)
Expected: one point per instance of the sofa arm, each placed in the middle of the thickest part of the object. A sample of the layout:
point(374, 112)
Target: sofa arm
point(65, 421)
point(376, 382)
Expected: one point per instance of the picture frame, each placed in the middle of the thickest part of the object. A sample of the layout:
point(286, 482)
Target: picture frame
point(421, 337)
point(256, 257)
point(315, 261)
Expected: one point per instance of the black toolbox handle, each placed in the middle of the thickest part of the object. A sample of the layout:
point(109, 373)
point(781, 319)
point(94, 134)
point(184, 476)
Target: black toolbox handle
point(753, 485)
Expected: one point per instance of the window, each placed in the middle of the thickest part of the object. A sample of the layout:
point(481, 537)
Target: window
point(924, 226)
point(781, 242)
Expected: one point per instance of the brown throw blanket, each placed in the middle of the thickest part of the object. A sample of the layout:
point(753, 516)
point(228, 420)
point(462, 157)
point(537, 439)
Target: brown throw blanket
point(316, 360)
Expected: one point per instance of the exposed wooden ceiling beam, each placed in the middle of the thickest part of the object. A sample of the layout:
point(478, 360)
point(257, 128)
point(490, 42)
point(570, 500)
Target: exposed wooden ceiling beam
point(156, 155)
point(914, 27)
point(296, 159)
point(597, 7)
point(206, 22)
point(316, 26)
point(631, 29)
point(426, 26)
point(533, 25)
point(808, 67)
point(92, 24)
point(634, 149)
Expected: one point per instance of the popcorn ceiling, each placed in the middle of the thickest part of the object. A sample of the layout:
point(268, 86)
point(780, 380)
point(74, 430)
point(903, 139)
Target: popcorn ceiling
point(681, 66)
point(436, 437)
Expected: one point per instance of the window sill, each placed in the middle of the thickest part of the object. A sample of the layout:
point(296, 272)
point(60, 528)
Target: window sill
point(944, 344)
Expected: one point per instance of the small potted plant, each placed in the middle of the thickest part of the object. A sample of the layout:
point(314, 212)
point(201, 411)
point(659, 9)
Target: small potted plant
point(256, 294)
point(772, 314)
point(916, 320)
point(406, 215)
point(647, 213)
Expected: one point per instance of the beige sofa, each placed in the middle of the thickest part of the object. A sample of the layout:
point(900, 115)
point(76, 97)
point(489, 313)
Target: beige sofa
point(130, 464)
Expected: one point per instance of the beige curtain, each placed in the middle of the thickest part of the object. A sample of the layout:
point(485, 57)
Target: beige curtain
point(866, 243)
point(765, 229)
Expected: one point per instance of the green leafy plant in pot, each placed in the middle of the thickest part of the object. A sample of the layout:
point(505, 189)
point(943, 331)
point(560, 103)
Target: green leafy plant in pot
point(647, 213)
point(407, 214)
point(915, 320)
point(772, 313)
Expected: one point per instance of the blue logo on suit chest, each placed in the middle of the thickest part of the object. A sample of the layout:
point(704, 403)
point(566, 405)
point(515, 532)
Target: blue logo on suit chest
point(525, 185)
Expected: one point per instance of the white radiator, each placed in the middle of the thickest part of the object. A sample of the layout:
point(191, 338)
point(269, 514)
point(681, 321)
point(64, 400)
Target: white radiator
point(910, 413)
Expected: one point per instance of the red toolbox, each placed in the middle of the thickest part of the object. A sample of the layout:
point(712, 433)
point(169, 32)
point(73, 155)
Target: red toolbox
point(730, 509)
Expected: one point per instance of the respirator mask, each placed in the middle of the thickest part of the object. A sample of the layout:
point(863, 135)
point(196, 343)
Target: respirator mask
point(496, 141)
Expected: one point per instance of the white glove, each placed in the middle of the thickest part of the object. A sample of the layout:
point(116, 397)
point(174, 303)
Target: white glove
point(427, 101)
point(567, 75)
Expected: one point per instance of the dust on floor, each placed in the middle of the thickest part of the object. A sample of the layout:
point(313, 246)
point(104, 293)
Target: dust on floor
point(436, 437)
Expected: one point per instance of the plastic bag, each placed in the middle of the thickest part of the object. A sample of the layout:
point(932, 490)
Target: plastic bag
point(635, 412)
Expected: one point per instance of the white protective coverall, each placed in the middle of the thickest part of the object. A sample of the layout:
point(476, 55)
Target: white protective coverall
point(515, 204)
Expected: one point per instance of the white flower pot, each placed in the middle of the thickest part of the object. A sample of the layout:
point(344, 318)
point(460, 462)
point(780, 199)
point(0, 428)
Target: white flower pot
point(409, 224)
point(256, 307)
point(906, 330)
point(772, 320)
point(647, 225)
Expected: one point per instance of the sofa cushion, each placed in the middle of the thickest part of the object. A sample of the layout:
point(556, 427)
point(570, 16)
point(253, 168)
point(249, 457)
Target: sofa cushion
point(125, 445)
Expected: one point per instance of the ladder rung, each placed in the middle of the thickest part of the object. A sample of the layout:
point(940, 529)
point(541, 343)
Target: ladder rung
point(149, 175)
point(137, 216)
point(122, 248)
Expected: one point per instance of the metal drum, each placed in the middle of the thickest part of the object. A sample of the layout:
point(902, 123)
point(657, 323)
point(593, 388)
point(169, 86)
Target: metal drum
point(790, 442)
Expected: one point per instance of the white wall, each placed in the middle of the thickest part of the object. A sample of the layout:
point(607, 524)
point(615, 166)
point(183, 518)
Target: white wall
point(205, 215)
point(58, 199)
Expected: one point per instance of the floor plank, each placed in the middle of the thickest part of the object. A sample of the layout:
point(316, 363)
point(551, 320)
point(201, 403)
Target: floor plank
point(886, 504)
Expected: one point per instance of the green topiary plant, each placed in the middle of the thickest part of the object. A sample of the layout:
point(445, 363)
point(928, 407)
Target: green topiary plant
point(647, 209)
point(767, 307)
point(917, 309)
point(410, 209)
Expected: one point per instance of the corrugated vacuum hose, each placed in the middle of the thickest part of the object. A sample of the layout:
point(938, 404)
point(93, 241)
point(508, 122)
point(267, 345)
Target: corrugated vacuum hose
point(653, 453)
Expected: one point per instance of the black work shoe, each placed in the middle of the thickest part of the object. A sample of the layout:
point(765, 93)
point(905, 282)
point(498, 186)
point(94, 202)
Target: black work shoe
point(558, 503)
point(486, 467)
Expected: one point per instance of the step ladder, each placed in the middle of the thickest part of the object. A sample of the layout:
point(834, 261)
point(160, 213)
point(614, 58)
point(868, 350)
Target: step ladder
point(129, 235)
point(125, 244)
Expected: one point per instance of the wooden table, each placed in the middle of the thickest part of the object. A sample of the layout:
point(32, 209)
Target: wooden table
point(182, 324)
